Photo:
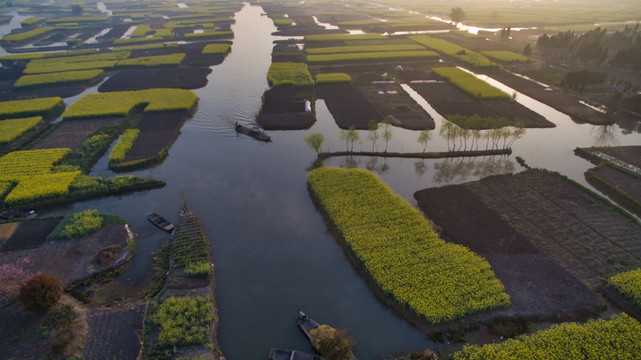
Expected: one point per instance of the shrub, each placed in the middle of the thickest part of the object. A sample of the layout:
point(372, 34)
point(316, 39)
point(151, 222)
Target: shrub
point(40, 293)
point(77, 225)
point(60, 317)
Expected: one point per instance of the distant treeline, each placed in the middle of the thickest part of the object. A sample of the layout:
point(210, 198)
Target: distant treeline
point(620, 49)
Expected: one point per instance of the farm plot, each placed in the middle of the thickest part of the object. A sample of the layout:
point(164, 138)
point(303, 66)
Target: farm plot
point(33, 107)
point(115, 333)
point(289, 73)
point(58, 78)
point(348, 106)
point(582, 233)
point(72, 134)
point(556, 99)
point(538, 287)
point(447, 100)
point(29, 234)
point(469, 57)
point(158, 131)
point(623, 187)
point(397, 106)
point(284, 108)
point(397, 248)
point(123, 102)
point(12, 129)
point(53, 257)
point(140, 79)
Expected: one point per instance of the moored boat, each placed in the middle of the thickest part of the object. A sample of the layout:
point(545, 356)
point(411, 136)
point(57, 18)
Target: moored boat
point(160, 222)
point(283, 354)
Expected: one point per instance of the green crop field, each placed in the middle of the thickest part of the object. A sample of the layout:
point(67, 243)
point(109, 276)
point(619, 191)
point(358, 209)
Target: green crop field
point(217, 49)
point(42, 186)
point(468, 56)
point(371, 56)
point(469, 83)
point(123, 146)
point(27, 35)
point(58, 78)
point(120, 103)
point(31, 56)
point(211, 35)
point(41, 66)
point(21, 165)
point(398, 248)
point(32, 20)
point(505, 56)
point(282, 22)
point(151, 61)
point(31, 107)
point(12, 129)
point(333, 78)
point(289, 73)
point(144, 47)
point(364, 48)
point(616, 338)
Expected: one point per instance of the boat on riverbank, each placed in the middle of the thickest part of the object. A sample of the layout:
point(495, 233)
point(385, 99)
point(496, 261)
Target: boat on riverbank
point(256, 134)
point(306, 324)
point(283, 354)
point(160, 222)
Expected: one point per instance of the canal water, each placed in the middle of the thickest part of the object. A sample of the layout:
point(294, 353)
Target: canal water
point(272, 251)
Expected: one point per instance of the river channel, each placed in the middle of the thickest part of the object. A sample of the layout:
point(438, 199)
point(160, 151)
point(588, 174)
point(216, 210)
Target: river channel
point(272, 252)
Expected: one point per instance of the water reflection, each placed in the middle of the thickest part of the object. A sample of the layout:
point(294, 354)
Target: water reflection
point(420, 167)
point(605, 135)
point(460, 169)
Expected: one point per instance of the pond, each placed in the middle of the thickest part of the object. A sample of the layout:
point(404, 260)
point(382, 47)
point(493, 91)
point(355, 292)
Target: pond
point(272, 252)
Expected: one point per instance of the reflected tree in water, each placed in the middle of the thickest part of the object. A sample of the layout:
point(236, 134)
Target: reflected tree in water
point(373, 133)
point(387, 133)
point(420, 167)
point(604, 135)
point(461, 169)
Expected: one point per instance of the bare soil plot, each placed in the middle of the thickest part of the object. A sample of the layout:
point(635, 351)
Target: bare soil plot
point(627, 154)
point(21, 334)
point(64, 91)
point(348, 106)
point(584, 234)
point(549, 96)
point(622, 187)
point(157, 131)
point(397, 106)
point(29, 234)
point(73, 133)
point(54, 258)
point(115, 333)
point(284, 108)
point(138, 79)
point(539, 288)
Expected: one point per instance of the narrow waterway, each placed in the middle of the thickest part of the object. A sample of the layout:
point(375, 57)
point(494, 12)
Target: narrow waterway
point(272, 252)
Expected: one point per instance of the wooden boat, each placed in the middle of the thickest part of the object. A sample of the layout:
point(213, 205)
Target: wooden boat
point(306, 324)
point(15, 214)
point(283, 354)
point(256, 134)
point(160, 221)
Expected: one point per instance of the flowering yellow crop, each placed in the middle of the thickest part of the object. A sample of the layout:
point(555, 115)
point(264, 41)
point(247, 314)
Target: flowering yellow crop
point(20, 165)
point(400, 251)
point(617, 338)
point(12, 129)
point(42, 186)
point(628, 284)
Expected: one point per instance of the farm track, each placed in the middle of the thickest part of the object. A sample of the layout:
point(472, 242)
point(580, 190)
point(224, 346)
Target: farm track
point(115, 333)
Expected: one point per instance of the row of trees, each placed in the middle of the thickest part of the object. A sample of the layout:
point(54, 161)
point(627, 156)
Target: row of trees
point(460, 130)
